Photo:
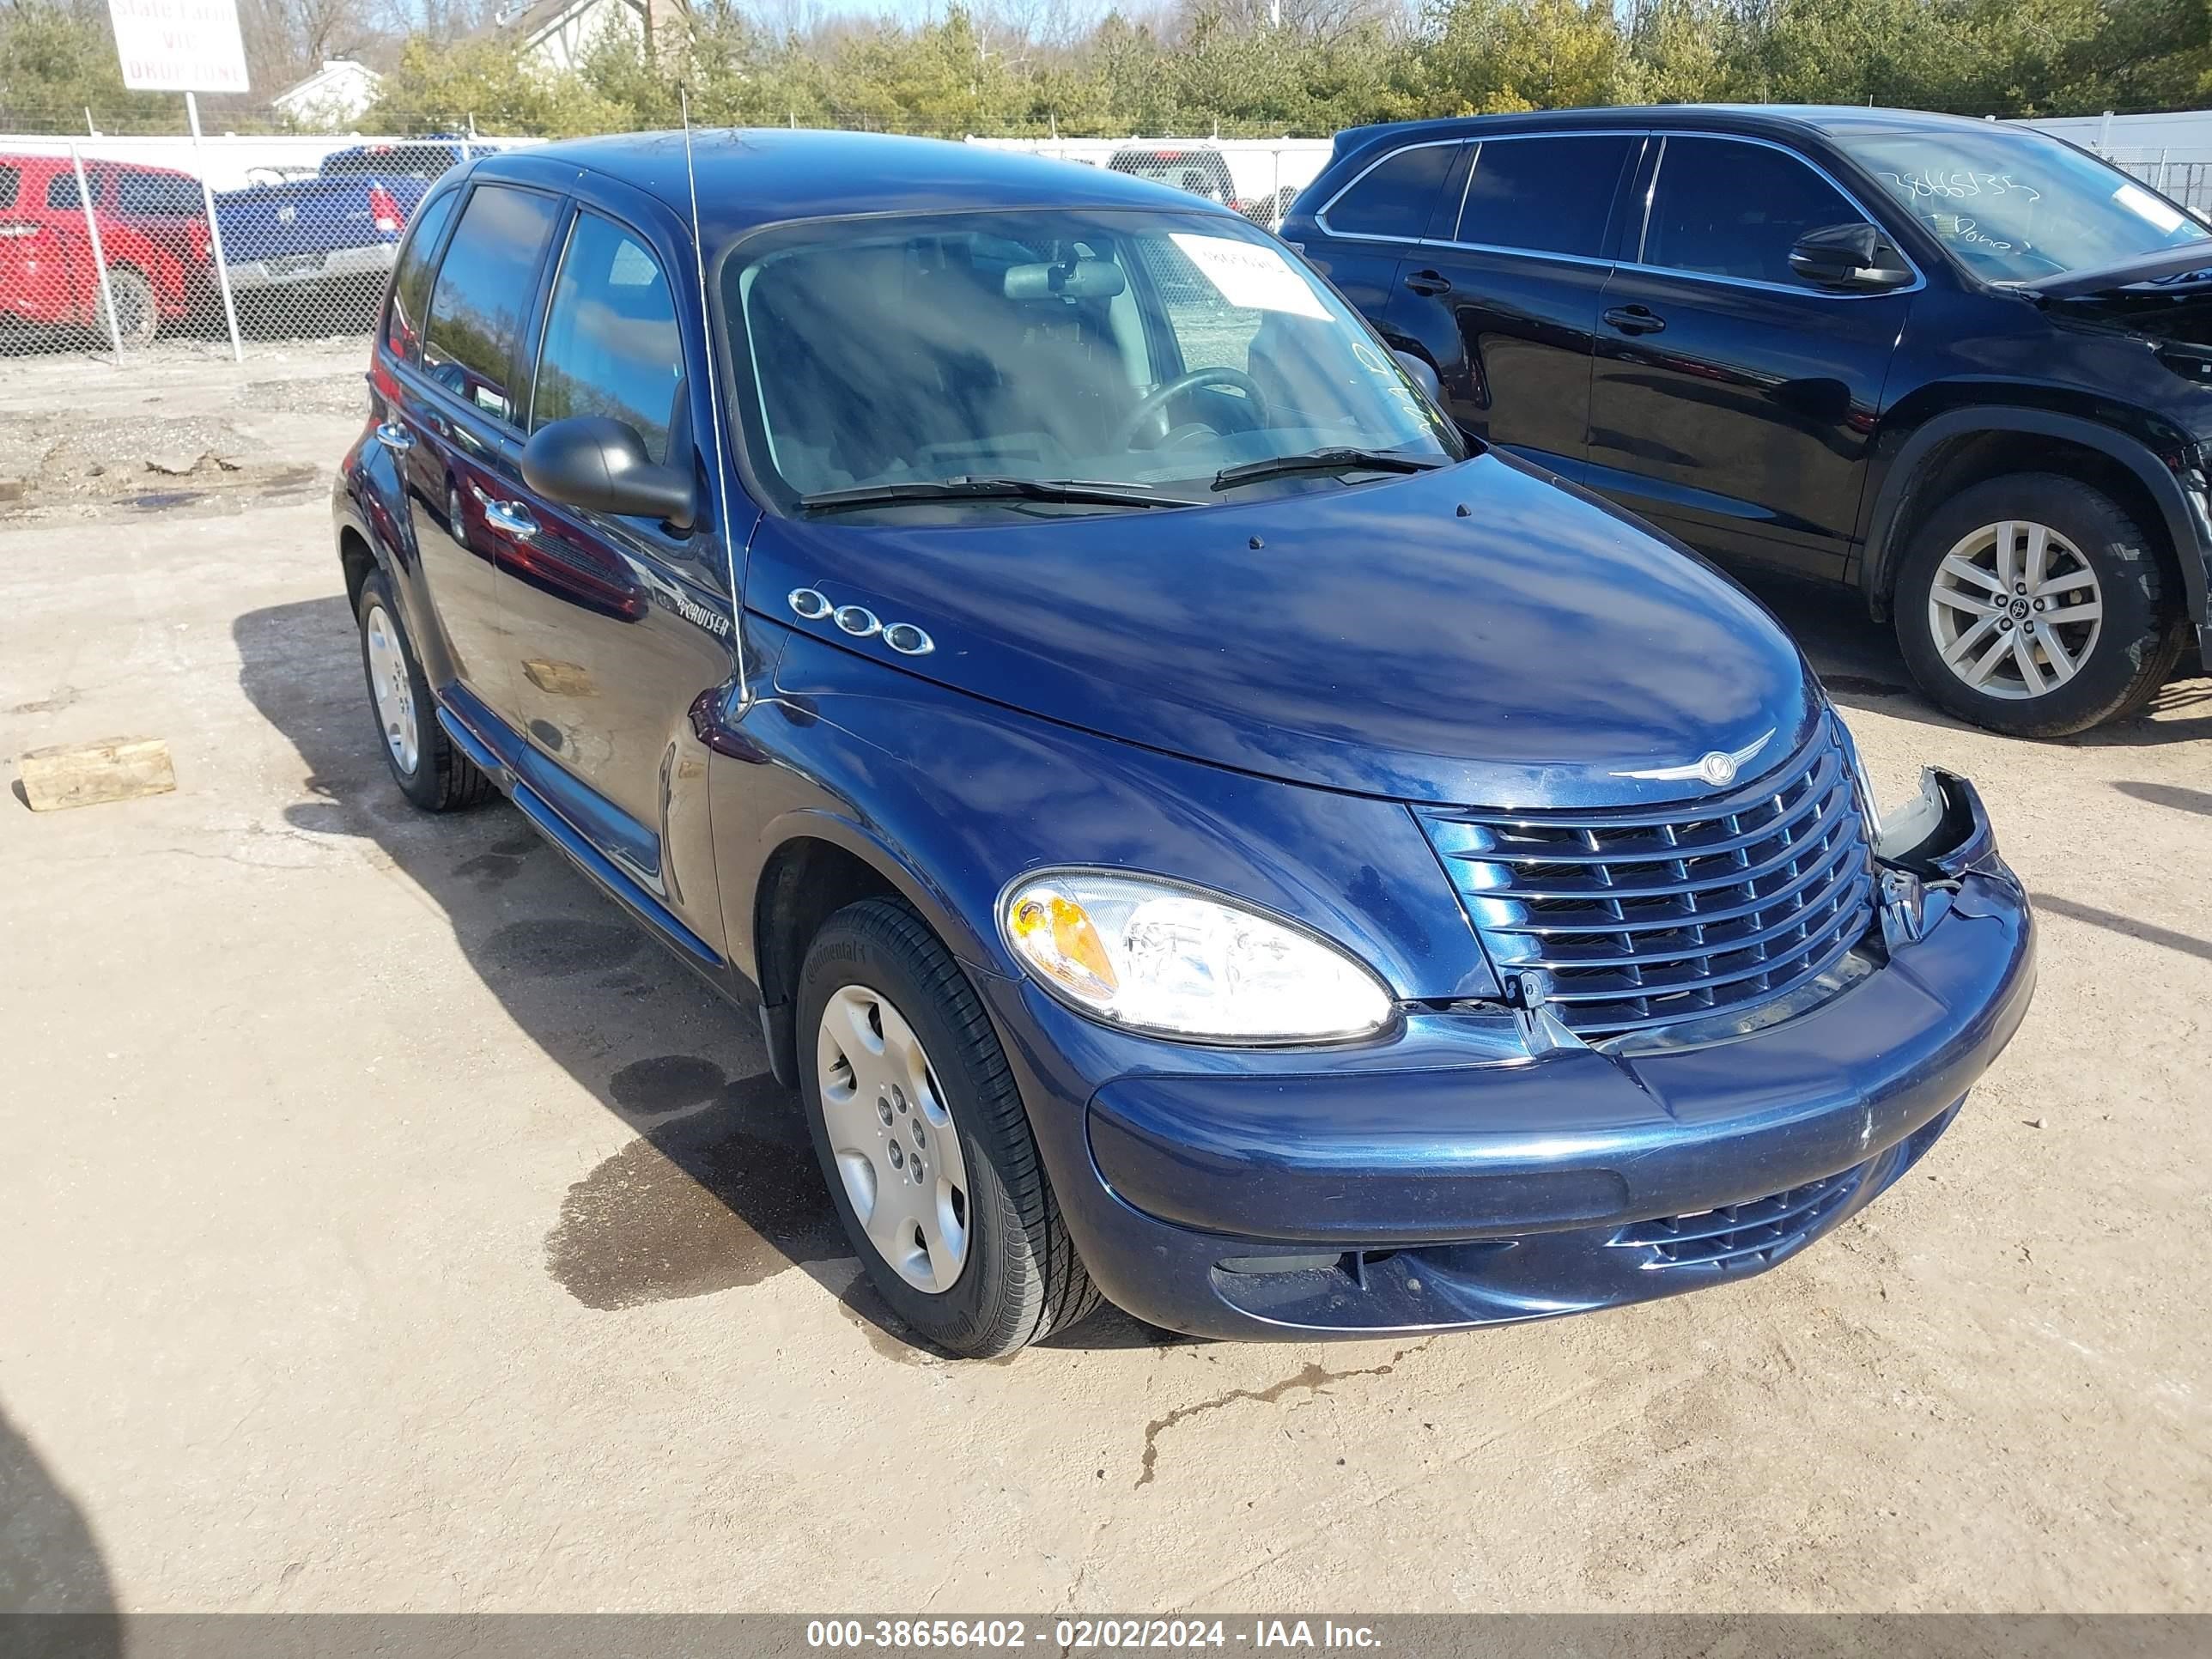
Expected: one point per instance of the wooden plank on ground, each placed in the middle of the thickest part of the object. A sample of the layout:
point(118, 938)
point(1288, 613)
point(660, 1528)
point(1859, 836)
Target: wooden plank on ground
point(86, 773)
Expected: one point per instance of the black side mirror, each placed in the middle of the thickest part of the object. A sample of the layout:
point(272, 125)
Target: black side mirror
point(1424, 373)
point(600, 465)
point(1849, 256)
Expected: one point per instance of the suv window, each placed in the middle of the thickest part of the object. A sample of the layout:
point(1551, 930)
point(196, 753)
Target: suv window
point(11, 180)
point(1727, 207)
point(411, 288)
point(484, 292)
point(1546, 194)
point(61, 189)
point(158, 192)
point(1201, 172)
point(1394, 199)
point(611, 344)
point(392, 161)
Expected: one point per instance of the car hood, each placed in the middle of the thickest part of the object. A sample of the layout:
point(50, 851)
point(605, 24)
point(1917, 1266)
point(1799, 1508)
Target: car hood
point(1474, 635)
point(2164, 265)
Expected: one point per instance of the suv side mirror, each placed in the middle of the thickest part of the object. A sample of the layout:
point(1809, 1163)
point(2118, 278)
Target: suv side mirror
point(1425, 375)
point(600, 465)
point(1849, 256)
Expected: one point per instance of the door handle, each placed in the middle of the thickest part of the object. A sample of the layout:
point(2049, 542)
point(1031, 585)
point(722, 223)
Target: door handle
point(511, 518)
point(1635, 319)
point(395, 437)
point(1429, 282)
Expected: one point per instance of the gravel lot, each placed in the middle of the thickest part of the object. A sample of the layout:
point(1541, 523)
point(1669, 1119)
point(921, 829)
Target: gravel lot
point(386, 1224)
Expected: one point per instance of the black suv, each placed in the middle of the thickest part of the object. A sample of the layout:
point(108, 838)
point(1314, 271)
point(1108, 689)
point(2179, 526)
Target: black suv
point(1964, 368)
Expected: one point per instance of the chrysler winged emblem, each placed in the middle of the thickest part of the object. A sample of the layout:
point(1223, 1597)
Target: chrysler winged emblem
point(1717, 769)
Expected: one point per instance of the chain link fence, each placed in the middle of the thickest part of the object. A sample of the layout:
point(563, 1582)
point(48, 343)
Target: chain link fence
point(121, 244)
point(116, 245)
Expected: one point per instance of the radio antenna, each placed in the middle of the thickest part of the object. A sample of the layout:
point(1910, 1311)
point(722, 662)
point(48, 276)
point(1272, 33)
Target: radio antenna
point(715, 416)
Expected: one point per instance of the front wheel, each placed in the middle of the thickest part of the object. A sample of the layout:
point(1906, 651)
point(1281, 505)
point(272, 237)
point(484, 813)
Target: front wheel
point(923, 1140)
point(2034, 605)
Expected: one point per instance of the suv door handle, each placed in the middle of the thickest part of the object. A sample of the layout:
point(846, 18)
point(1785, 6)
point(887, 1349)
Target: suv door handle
point(512, 517)
point(1429, 282)
point(395, 437)
point(1635, 319)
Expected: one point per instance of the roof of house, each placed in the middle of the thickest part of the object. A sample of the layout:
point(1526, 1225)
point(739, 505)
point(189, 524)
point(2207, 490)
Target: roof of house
point(334, 72)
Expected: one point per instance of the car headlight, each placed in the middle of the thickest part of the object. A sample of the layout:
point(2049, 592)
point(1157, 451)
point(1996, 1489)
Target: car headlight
point(1159, 957)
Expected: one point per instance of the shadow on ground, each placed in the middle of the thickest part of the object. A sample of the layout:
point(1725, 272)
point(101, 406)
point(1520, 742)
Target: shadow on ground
point(50, 1562)
point(721, 1190)
point(1859, 661)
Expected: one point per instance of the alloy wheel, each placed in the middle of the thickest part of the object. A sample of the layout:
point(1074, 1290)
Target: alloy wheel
point(2015, 609)
point(893, 1139)
point(394, 691)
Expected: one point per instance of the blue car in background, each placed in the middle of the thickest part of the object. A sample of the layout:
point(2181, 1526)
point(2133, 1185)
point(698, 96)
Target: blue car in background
point(1195, 828)
point(332, 237)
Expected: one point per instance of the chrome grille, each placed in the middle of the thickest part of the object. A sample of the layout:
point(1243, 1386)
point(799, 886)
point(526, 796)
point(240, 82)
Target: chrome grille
point(1759, 1233)
point(1639, 917)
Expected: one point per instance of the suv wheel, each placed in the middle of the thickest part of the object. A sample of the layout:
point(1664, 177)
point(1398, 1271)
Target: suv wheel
point(429, 770)
point(923, 1140)
point(2035, 606)
point(138, 317)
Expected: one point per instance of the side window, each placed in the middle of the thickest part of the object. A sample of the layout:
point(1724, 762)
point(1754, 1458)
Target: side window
point(164, 193)
point(1726, 209)
point(61, 189)
point(611, 343)
point(1546, 194)
point(1395, 198)
point(411, 288)
point(484, 289)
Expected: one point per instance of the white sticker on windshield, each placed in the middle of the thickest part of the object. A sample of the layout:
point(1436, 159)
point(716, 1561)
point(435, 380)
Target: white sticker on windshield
point(2144, 205)
point(1251, 274)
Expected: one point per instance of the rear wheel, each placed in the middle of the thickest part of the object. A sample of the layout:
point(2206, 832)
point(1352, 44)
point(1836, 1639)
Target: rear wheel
point(2034, 605)
point(923, 1140)
point(429, 770)
point(137, 319)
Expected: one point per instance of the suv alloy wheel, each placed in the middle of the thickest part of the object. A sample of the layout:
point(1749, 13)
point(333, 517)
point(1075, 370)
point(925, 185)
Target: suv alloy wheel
point(2036, 606)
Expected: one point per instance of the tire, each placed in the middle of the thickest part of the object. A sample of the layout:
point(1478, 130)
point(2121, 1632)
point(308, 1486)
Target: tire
point(137, 317)
point(429, 770)
point(962, 1129)
point(2093, 554)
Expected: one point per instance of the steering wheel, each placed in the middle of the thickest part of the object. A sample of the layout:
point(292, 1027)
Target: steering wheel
point(1152, 411)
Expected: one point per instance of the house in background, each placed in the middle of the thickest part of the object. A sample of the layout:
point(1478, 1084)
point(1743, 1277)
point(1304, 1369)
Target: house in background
point(333, 97)
point(555, 36)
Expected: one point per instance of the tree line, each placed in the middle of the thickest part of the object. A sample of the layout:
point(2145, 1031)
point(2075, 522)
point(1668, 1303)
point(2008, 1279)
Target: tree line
point(1238, 68)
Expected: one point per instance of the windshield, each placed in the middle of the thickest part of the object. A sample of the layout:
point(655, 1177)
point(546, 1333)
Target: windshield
point(2013, 205)
point(1146, 349)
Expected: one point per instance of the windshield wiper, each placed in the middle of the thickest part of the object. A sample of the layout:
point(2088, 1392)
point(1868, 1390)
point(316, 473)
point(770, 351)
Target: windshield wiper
point(1326, 460)
point(966, 488)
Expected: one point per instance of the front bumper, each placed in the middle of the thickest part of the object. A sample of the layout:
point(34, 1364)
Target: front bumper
point(1474, 1170)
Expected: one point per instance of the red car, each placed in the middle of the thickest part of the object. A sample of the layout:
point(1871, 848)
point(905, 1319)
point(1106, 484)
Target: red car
point(152, 233)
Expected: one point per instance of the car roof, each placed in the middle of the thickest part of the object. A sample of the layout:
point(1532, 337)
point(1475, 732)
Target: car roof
point(1771, 119)
point(748, 178)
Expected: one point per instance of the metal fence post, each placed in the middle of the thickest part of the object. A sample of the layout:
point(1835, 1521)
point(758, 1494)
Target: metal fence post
point(99, 255)
point(214, 230)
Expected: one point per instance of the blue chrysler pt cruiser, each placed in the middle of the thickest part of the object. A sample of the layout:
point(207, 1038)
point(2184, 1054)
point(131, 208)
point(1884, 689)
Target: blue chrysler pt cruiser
point(1197, 830)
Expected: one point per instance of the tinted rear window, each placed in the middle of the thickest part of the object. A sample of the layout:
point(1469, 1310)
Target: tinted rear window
point(1724, 207)
point(157, 193)
point(411, 288)
point(395, 162)
point(1395, 198)
point(484, 289)
point(1547, 195)
point(61, 190)
point(11, 182)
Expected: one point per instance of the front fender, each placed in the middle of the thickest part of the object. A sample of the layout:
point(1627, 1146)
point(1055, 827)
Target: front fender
point(2181, 501)
point(952, 796)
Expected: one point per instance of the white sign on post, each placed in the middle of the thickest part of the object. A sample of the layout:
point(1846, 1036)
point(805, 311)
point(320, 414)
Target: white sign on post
point(180, 46)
